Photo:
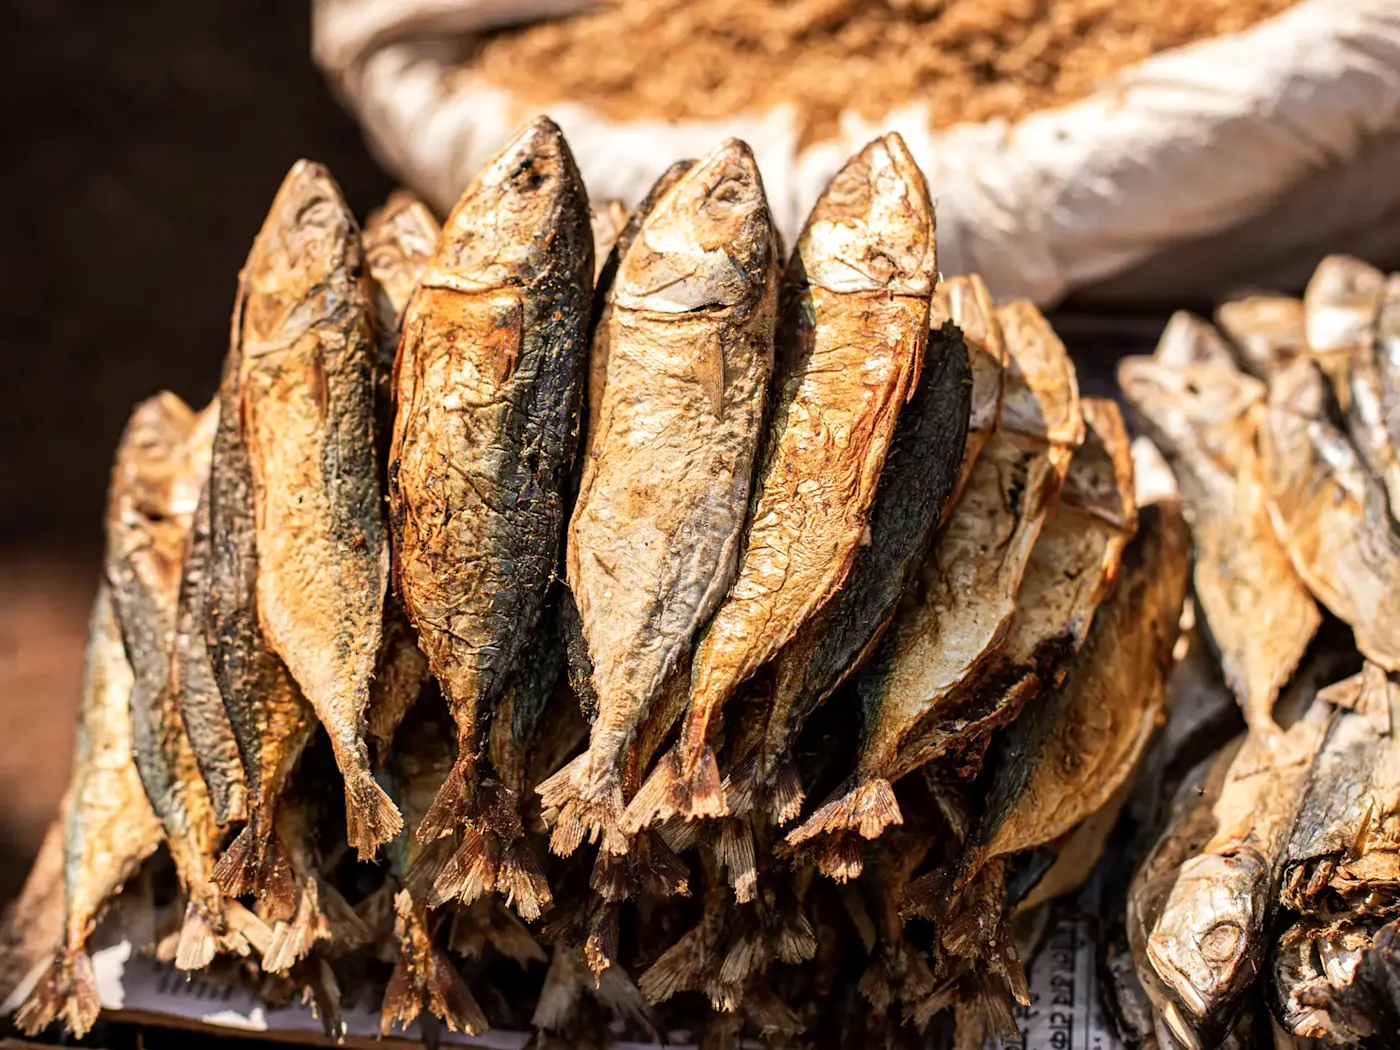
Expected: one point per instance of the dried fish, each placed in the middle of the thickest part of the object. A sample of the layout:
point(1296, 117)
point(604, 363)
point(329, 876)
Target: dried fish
point(1067, 755)
point(1335, 981)
point(306, 386)
point(490, 376)
point(851, 344)
point(271, 720)
point(655, 533)
point(110, 827)
point(33, 922)
point(400, 675)
point(966, 302)
point(920, 471)
point(608, 219)
point(966, 597)
point(1187, 340)
point(400, 239)
point(1331, 513)
point(161, 465)
point(1267, 331)
point(1344, 849)
point(193, 680)
point(1258, 612)
point(1077, 853)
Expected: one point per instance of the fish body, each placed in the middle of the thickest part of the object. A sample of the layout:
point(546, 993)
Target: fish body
point(1259, 614)
point(965, 301)
point(688, 344)
point(1331, 513)
point(109, 827)
point(489, 381)
point(306, 405)
point(851, 338)
point(967, 594)
point(161, 466)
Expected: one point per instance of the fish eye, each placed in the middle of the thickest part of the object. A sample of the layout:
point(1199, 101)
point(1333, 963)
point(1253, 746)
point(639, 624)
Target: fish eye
point(1221, 943)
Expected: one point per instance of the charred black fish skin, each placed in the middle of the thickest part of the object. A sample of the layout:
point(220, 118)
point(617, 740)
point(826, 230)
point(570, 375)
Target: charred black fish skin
point(509, 519)
point(920, 472)
point(196, 688)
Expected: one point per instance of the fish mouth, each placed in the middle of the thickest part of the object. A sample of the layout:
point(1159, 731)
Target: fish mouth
point(872, 230)
point(707, 244)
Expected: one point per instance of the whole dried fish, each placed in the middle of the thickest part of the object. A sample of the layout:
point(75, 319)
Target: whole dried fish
point(161, 465)
point(688, 342)
point(1258, 612)
point(489, 380)
point(110, 827)
point(306, 386)
point(922, 466)
point(1331, 513)
point(1267, 330)
point(966, 598)
point(400, 239)
point(851, 344)
point(1344, 848)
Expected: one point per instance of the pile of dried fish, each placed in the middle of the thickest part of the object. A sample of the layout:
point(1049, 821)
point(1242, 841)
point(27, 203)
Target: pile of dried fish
point(1263, 877)
point(771, 635)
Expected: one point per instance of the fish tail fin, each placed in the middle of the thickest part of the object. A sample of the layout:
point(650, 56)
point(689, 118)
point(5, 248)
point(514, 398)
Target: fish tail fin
point(450, 999)
point(785, 794)
point(869, 806)
point(584, 800)
point(256, 863)
point(244, 930)
point(449, 808)
point(672, 791)
point(426, 869)
point(841, 857)
point(520, 879)
point(470, 873)
point(927, 897)
point(84, 1004)
point(402, 1001)
point(292, 939)
point(197, 945)
point(676, 970)
point(235, 872)
point(651, 869)
point(734, 851)
point(600, 946)
point(48, 999)
point(797, 941)
point(371, 818)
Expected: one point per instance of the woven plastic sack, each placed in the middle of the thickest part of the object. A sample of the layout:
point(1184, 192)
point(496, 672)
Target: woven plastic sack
point(1237, 160)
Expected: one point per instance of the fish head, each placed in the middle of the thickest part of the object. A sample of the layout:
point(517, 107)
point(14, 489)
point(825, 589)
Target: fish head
point(707, 244)
point(297, 272)
point(525, 212)
point(149, 467)
point(1340, 304)
point(1188, 340)
point(872, 230)
point(399, 240)
point(1196, 406)
point(1042, 389)
point(1207, 943)
point(1100, 478)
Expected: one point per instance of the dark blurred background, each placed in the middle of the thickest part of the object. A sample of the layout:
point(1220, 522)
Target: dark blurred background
point(140, 144)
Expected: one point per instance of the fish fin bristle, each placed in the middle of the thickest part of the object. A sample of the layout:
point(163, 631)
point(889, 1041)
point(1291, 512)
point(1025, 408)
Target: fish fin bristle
point(256, 863)
point(927, 896)
point(246, 928)
point(84, 1003)
point(741, 787)
point(669, 792)
point(234, 873)
point(48, 999)
point(560, 994)
point(611, 880)
point(520, 879)
point(785, 794)
point(424, 872)
point(841, 857)
point(402, 1001)
point(325, 999)
point(197, 946)
point(796, 941)
point(600, 946)
point(449, 997)
point(449, 808)
point(471, 871)
point(580, 802)
point(292, 939)
point(371, 818)
point(745, 955)
point(734, 851)
point(675, 971)
point(868, 807)
point(621, 997)
point(664, 874)
point(680, 835)
point(345, 926)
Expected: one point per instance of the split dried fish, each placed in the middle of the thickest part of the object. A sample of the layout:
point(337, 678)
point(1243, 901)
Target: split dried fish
point(306, 386)
point(489, 379)
point(161, 465)
point(110, 827)
point(1267, 330)
point(967, 595)
point(851, 342)
point(1330, 513)
point(688, 341)
point(920, 471)
point(1258, 612)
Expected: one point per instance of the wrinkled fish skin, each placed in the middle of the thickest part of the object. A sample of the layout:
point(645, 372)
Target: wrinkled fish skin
point(270, 718)
point(307, 368)
point(160, 467)
point(489, 381)
point(967, 593)
point(688, 340)
point(400, 239)
point(1068, 754)
point(1336, 982)
point(851, 339)
point(110, 827)
point(922, 467)
point(193, 679)
point(1258, 612)
point(1331, 513)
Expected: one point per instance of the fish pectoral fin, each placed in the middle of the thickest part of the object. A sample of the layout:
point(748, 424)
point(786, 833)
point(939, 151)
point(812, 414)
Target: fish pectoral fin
point(709, 372)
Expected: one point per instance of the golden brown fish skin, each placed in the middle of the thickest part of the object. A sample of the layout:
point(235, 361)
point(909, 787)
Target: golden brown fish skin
point(400, 238)
point(1258, 611)
point(160, 468)
point(670, 454)
point(306, 385)
point(851, 338)
point(489, 381)
point(1072, 757)
point(109, 827)
point(608, 219)
point(399, 677)
point(1267, 331)
point(1188, 340)
point(966, 302)
point(1331, 513)
point(270, 718)
point(967, 595)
